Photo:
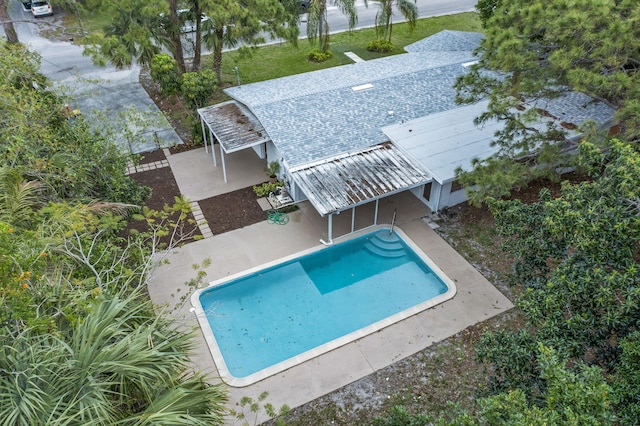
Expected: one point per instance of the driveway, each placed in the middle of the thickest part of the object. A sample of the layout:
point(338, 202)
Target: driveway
point(98, 92)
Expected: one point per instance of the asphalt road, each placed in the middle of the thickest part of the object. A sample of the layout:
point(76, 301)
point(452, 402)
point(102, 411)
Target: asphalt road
point(367, 15)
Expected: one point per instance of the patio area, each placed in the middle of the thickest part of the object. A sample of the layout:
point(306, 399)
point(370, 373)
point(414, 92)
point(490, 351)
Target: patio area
point(233, 252)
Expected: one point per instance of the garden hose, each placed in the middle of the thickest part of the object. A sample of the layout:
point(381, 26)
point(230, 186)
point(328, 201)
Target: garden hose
point(275, 216)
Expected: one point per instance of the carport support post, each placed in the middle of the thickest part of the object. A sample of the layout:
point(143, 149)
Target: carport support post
point(224, 168)
point(204, 135)
point(375, 214)
point(353, 218)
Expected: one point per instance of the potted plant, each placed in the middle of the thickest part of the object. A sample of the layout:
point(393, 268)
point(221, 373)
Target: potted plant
point(272, 170)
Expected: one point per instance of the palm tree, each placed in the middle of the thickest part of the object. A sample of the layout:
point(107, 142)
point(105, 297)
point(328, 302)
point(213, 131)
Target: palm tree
point(233, 23)
point(318, 26)
point(384, 24)
point(119, 365)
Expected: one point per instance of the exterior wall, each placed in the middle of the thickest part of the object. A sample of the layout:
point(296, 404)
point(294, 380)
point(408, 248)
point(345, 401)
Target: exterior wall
point(440, 196)
point(454, 198)
point(260, 150)
point(294, 191)
point(272, 153)
point(418, 193)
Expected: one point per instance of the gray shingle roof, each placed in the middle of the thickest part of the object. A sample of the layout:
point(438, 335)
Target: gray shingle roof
point(576, 108)
point(447, 41)
point(317, 115)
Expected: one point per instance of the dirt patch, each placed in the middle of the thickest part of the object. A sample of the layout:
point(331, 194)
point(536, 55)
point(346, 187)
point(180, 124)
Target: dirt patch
point(177, 149)
point(223, 213)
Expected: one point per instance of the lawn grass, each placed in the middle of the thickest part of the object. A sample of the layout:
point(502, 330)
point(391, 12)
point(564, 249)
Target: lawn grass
point(282, 59)
point(91, 24)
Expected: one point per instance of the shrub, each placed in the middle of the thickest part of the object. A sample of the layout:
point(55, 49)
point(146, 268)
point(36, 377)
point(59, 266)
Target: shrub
point(164, 71)
point(316, 55)
point(197, 87)
point(264, 189)
point(382, 46)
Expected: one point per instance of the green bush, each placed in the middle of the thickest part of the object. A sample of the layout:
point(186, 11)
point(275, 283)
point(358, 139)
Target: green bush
point(264, 189)
point(316, 55)
point(165, 72)
point(381, 46)
point(197, 87)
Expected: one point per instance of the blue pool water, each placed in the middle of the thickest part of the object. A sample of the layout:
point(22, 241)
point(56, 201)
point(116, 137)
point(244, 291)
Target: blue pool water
point(267, 317)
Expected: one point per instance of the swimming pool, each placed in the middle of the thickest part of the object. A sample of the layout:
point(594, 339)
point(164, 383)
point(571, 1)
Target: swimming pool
point(266, 320)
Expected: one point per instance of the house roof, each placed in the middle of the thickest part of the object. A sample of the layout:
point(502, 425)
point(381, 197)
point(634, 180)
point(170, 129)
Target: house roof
point(318, 115)
point(444, 141)
point(577, 108)
point(447, 41)
point(447, 140)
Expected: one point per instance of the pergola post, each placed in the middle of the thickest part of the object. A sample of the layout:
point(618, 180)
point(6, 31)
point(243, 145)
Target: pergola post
point(213, 150)
point(353, 218)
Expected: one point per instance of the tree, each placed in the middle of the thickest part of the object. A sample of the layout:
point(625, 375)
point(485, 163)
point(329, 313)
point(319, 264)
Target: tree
point(572, 396)
point(384, 24)
point(119, 365)
point(81, 343)
point(7, 23)
point(318, 26)
point(66, 158)
point(235, 22)
point(577, 262)
point(539, 50)
point(137, 32)
point(626, 381)
point(486, 8)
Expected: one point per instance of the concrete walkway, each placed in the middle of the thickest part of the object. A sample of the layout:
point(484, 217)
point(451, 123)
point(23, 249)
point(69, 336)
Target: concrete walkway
point(230, 253)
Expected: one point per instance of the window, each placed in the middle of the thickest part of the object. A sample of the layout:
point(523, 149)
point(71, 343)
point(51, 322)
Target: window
point(427, 191)
point(456, 186)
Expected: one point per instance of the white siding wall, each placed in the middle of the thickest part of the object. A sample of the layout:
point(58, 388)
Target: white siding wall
point(260, 150)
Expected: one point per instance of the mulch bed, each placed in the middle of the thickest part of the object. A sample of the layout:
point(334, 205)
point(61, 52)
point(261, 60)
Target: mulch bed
point(164, 189)
point(223, 213)
point(177, 149)
point(231, 211)
point(151, 157)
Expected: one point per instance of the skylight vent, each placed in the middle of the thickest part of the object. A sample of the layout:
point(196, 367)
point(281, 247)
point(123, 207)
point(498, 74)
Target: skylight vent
point(468, 64)
point(362, 87)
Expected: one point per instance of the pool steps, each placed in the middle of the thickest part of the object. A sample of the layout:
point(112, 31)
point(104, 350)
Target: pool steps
point(385, 244)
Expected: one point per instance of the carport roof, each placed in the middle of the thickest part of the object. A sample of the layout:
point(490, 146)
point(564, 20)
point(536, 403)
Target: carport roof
point(350, 179)
point(234, 127)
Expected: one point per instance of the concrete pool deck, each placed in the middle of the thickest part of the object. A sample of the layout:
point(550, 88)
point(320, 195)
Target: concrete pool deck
point(233, 252)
